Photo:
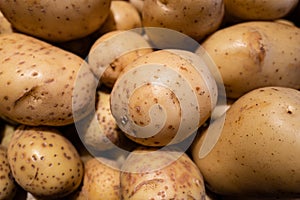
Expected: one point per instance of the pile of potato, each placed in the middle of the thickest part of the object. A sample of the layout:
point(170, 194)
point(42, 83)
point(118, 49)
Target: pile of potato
point(149, 99)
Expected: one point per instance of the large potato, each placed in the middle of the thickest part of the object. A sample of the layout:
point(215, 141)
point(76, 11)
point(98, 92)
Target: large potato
point(250, 55)
point(37, 82)
point(195, 18)
point(56, 20)
point(259, 10)
point(166, 174)
point(258, 148)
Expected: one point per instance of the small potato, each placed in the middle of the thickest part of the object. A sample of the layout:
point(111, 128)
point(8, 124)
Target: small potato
point(56, 21)
point(8, 187)
point(256, 154)
point(259, 10)
point(44, 163)
point(195, 18)
point(41, 84)
point(5, 26)
point(123, 16)
point(113, 51)
point(150, 174)
point(101, 181)
point(249, 55)
point(100, 131)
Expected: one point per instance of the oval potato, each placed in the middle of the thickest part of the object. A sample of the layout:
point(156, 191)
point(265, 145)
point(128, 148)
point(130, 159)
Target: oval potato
point(259, 10)
point(56, 20)
point(249, 55)
point(258, 148)
point(37, 82)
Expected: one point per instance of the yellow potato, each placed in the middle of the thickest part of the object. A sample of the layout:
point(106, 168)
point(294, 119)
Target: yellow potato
point(256, 54)
point(258, 148)
point(259, 10)
point(56, 20)
point(123, 16)
point(41, 84)
point(165, 174)
point(195, 18)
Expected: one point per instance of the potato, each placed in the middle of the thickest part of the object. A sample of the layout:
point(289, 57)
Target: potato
point(123, 16)
point(5, 26)
point(257, 151)
point(100, 131)
point(138, 4)
point(259, 10)
point(165, 174)
point(43, 162)
point(101, 180)
point(8, 187)
point(249, 55)
point(41, 84)
point(113, 51)
point(56, 20)
point(163, 97)
point(195, 18)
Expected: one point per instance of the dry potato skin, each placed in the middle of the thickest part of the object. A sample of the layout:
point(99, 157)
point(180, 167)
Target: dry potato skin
point(43, 162)
point(37, 82)
point(258, 149)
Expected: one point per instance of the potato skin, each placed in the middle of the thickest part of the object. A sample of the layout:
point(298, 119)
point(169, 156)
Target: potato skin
point(249, 55)
point(37, 82)
point(195, 18)
point(258, 149)
point(159, 176)
point(259, 10)
point(56, 20)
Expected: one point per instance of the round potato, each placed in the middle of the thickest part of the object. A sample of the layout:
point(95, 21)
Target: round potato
point(113, 51)
point(101, 181)
point(249, 55)
point(43, 162)
point(56, 20)
point(41, 84)
point(258, 148)
point(150, 174)
point(195, 18)
point(163, 97)
point(123, 16)
point(259, 10)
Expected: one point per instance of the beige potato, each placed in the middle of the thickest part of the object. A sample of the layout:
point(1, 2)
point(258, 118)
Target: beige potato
point(123, 16)
point(257, 151)
point(100, 131)
point(250, 55)
point(163, 97)
point(5, 26)
point(259, 10)
point(56, 20)
point(101, 181)
point(138, 4)
point(113, 51)
point(43, 162)
point(195, 18)
point(8, 187)
point(150, 174)
point(41, 84)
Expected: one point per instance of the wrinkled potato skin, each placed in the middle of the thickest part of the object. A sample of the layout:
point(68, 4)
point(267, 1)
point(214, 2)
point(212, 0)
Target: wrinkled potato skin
point(195, 18)
point(258, 149)
point(56, 20)
point(259, 10)
point(252, 49)
point(37, 82)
